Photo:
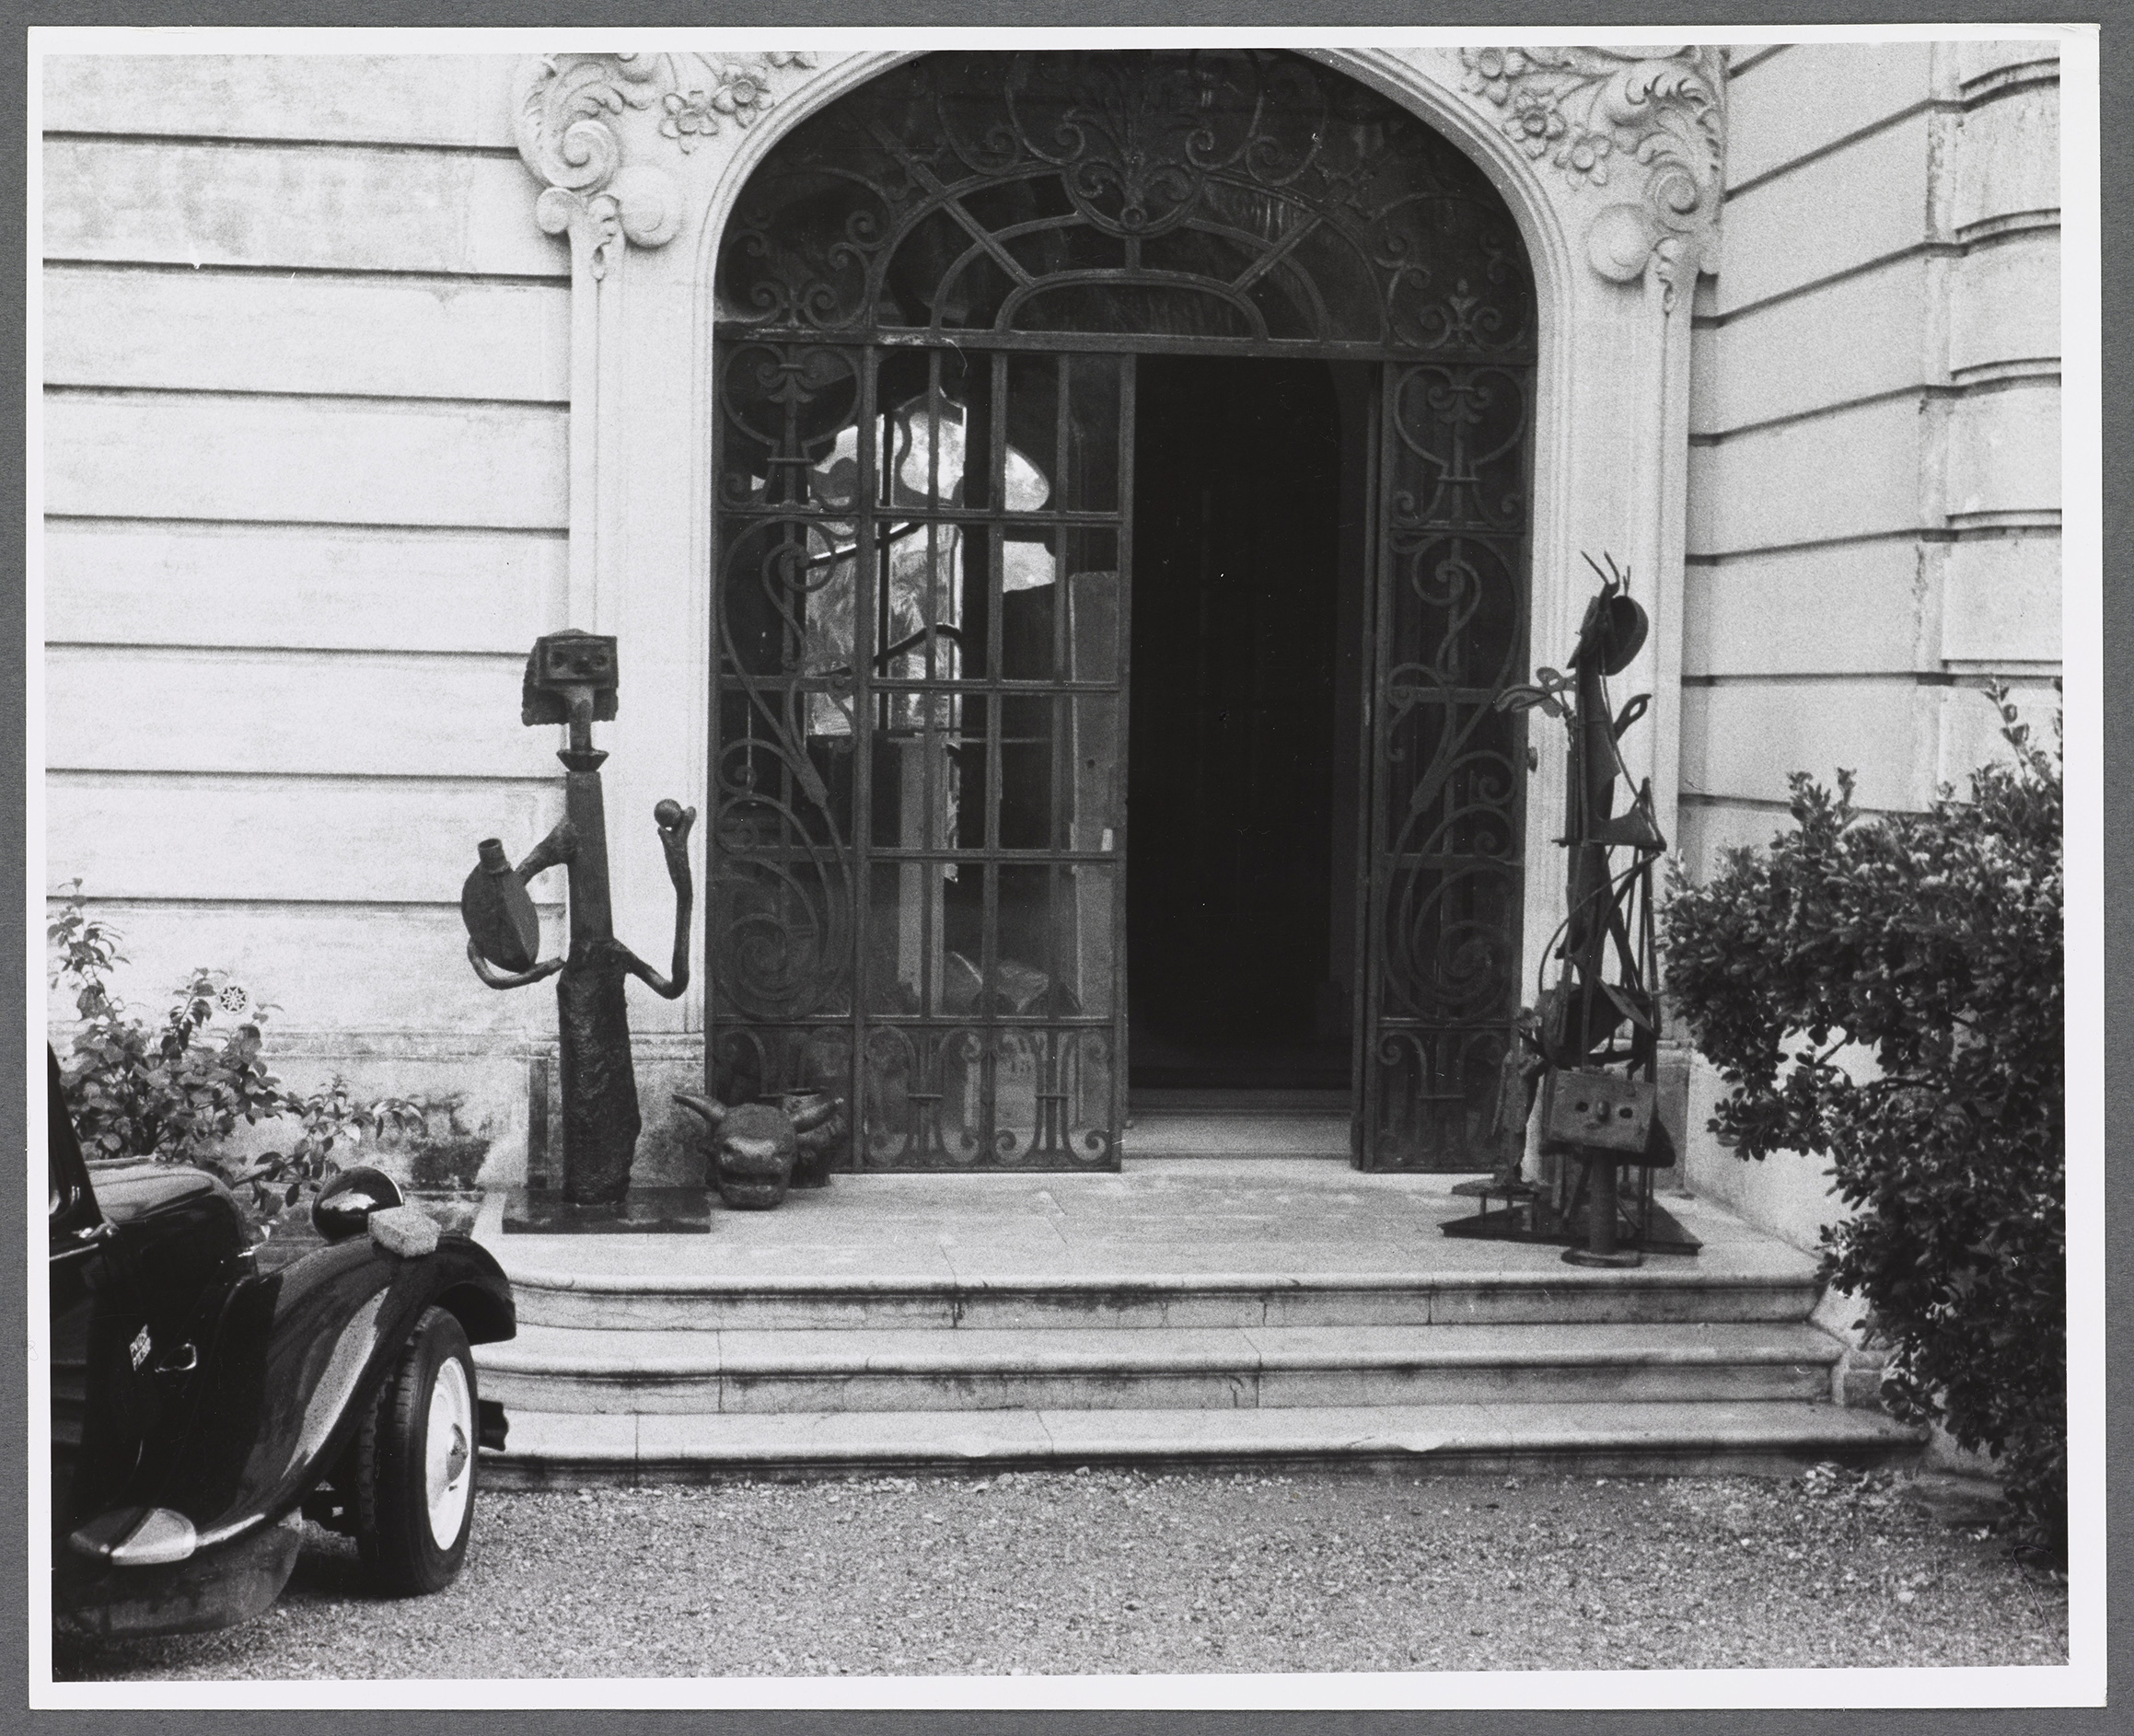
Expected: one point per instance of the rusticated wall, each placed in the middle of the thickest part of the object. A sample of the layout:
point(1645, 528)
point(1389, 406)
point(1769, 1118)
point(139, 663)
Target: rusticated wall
point(1875, 497)
point(306, 413)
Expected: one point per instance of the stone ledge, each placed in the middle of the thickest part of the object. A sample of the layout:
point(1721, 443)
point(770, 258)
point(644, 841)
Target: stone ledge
point(551, 1350)
point(1776, 1439)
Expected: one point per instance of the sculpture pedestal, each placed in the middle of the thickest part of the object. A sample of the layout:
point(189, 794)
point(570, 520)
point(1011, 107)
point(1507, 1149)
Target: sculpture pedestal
point(644, 1211)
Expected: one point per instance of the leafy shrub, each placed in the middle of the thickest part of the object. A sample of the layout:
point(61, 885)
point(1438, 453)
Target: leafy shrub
point(1934, 940)
point(330, 1125)
point(445, 1154)
point(177, 1092)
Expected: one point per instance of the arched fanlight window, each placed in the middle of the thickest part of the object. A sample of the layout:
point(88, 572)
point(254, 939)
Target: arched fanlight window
point(1239, 194)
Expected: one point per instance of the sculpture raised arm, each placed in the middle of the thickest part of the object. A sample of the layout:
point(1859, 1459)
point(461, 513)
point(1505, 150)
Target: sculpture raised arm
point(674, 822)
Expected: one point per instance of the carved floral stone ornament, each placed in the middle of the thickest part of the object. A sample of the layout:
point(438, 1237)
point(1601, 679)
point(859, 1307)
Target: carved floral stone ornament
point(1643, 126)
point(1649, 120)
point(570, 111)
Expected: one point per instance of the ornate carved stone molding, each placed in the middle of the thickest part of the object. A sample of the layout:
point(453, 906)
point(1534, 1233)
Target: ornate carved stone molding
point(1649, 121)
point(572, 116)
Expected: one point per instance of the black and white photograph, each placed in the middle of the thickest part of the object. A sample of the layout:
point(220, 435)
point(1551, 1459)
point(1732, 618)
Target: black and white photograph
point(1037, 869)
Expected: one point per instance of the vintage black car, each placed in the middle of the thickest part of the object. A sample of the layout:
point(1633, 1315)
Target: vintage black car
point(211, 1388)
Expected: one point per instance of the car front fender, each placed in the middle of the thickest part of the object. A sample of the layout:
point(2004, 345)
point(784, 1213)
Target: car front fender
point(299, 1356)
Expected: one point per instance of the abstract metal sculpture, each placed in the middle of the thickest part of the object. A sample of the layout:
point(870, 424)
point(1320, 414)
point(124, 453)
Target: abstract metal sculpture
point(570, 678)
point(1590, 1043)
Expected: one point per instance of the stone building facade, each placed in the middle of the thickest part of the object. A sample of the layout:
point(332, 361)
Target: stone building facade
point(362, 373)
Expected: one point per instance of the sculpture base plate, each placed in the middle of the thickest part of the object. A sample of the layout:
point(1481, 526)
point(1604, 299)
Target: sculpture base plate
point(1614, 1256)
point(644, 1211)
point(1534, 1219)
point(1492, 1187)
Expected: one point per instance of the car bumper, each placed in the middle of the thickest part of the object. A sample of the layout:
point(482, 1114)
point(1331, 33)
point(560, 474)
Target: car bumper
point(214, 1589)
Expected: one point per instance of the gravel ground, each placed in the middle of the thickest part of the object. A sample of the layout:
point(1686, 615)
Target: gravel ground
point(1052, 1573)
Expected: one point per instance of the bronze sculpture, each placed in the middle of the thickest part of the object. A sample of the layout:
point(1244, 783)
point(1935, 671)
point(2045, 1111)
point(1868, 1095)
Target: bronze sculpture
point(758, 1149)
point(1589, 1045)
point(570, 678)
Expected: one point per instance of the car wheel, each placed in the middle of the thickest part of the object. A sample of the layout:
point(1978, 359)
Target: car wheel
point(415, 1464)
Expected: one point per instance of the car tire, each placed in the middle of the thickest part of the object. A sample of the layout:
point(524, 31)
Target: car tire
point(415, 1464)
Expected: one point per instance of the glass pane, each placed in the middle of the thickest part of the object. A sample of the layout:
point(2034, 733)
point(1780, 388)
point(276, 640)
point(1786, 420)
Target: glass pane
point(1056, 941)
point(926, 431)
point(1032, 770)
point(1086, 1071)
point(1089, 467)
point(1031, 626)
point(1458, 612)
point(1051, 1094)
point(1052, 1100)
point(1095, 620)
point(778, 926)
point(924, 792)
point(1058, 784)
point(1088, 953)
point(1462, 433)
point(1033, 425)
point(901, 955)
point(1293, 304)
point(975, 294)
point(753, 1061)
point(965, 919)
point(1435, 1097)
point(962, 1081)
point(1092, 800)
point(1184, 310)
point(784, 597)
point(974, 785)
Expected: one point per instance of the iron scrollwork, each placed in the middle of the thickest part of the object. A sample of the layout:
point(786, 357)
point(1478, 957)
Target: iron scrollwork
point(1236, 194)
point(920, 592)
point(1448, 785)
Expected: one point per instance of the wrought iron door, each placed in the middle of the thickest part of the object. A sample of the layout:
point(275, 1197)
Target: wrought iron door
point(916, 759)
point(930, 300)
point(1447, 786)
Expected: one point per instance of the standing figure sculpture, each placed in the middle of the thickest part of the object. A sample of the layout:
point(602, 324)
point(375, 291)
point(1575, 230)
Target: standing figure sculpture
point(1601, 1014)
point(1595, 1017)
point(570, 678)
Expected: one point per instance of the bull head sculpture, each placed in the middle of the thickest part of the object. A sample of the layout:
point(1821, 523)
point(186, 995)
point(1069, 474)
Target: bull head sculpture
point(758, 1149)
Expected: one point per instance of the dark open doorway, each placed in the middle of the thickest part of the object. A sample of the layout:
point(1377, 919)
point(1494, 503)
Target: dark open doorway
point(1248, 545)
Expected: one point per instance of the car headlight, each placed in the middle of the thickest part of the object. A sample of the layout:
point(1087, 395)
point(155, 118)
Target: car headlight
point(344, 1204)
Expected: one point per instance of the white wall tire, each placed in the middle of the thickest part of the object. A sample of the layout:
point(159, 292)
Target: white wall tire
point(416, 1463)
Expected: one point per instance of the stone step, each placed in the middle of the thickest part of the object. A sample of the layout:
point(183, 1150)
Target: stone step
point(1190, 1100)
point(652, 1301)
point(1201, 1134)
point(548, 1449)
point(1170, 1369)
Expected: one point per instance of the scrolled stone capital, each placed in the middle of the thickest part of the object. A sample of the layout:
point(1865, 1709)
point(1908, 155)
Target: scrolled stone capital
point(1619, 242)
point(648, 204)
point(556, 207)
point(1647, 121)
point(563, 111)
point(576, 122)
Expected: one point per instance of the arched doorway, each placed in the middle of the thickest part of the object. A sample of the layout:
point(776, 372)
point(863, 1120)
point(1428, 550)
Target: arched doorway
point(1033, 367)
